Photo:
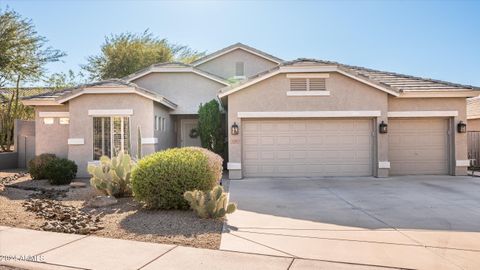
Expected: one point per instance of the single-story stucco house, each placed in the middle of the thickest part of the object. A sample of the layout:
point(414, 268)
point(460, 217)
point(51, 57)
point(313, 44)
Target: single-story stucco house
point(301, 118)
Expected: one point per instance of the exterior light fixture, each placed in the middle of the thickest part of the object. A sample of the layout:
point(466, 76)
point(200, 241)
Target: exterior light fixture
point(461, 127)
point(383, 127)
point(234, 129)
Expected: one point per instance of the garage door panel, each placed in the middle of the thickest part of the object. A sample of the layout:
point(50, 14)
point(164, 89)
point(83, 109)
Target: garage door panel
point(314, 147)
point(418, 146)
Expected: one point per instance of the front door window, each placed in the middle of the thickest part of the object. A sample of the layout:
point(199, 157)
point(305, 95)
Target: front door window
point(110, 136)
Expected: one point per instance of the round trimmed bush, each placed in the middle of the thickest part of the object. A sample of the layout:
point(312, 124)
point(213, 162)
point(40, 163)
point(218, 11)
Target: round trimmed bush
point(160, 179)
point(60, 171)
point(36, 166)
point(215, 162)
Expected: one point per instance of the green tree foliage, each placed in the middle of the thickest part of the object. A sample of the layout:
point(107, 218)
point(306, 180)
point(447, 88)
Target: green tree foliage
point(210, 127)
point(126, 53)
point(61, 80)
point(23, 58)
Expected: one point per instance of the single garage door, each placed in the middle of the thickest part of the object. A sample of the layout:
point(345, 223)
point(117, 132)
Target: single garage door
point(418, 146)
point(313, 147)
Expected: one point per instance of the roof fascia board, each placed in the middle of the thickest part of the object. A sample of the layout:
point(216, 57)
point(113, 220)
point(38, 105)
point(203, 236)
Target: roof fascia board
point(446, 94)
point(232, 49)
point(112, 90)
point(33, 102)
point(303, 70)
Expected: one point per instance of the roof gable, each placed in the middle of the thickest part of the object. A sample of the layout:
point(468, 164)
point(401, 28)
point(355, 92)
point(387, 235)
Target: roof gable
point(234, 47)
point(392, 83)
point(172, 67)
point(114, 86)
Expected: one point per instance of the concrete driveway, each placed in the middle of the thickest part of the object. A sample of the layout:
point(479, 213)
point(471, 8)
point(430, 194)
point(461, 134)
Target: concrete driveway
point(417, 222)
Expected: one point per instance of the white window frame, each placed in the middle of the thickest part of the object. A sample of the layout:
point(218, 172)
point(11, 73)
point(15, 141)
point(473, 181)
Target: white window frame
point(64, 121)
point(122, 141)
point(164, 124)
point(48, 120)
point(156, 123)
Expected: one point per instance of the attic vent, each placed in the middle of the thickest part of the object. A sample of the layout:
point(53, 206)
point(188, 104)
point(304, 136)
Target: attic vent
point(317, 84)
point(307, 84)
point(239, 69)
point(298, 84)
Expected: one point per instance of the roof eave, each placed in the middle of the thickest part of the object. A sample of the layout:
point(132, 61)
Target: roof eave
point(303, 69)
point(241, 47)
point(174, 70)
point(461, 93)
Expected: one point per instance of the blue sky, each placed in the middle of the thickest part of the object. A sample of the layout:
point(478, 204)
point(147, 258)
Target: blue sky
point(436, 39)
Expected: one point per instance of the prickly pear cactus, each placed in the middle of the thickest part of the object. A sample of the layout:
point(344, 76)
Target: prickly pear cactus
point(210, 204)
point(112, 176)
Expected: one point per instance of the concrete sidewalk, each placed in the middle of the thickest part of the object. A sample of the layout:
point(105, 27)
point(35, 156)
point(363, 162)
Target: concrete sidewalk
point(57, 251)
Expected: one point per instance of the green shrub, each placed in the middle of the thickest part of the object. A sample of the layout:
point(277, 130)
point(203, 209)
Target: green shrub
point(212, 135)
point(112, 177)
point(210, 204)
point(60, 171)
point(36, 166)
point(215, 162)
point(161, 179)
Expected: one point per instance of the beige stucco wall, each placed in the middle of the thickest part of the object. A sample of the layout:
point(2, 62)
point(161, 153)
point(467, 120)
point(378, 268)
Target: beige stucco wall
point(346, 95)
point(187, 90)
point(224, 66)
point(81, 124)
point(51, 138)
point(166, 139)
point(270, 95)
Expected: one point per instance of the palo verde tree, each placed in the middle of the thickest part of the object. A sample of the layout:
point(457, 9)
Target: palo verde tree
point(23, 57)
point(126, 53)
point(210, 127)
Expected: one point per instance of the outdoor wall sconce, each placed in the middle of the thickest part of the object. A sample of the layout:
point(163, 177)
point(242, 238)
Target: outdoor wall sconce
point(461, 127)
point(234, 129)
point(383, 127)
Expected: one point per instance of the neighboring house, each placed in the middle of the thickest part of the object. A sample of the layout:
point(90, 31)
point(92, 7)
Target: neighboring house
point(473, 114)
point(302, 118)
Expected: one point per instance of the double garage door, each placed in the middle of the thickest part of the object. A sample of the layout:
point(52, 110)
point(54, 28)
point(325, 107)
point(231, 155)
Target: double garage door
point(341, 147)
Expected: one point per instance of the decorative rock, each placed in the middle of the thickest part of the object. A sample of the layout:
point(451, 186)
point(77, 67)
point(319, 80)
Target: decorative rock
point(78, 184)
point(101, 201)
point(62, 218)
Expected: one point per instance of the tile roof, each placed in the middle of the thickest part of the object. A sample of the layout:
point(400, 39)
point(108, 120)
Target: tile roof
point(53, 95)
point(236, 45)
point(390, 80)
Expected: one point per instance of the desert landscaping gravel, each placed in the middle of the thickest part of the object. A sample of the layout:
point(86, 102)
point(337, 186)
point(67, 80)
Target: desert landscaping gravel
point(125, 220)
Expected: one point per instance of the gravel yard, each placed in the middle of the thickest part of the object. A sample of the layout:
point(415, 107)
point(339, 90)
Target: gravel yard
point(124, 220)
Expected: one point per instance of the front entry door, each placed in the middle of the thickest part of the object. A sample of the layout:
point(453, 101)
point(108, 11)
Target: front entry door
point(187, 126)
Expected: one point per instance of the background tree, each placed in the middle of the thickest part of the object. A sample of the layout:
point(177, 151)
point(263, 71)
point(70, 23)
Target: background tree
point(126, 53)
point(61, 80)
point(23, 57)
point(210, 129)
